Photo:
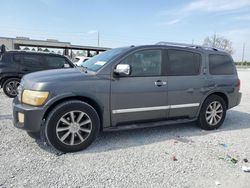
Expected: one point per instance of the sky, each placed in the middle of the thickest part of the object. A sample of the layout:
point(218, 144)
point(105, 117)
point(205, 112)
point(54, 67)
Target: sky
point(130, 22)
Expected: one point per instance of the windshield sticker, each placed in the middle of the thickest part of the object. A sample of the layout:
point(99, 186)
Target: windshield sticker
point(100, 63)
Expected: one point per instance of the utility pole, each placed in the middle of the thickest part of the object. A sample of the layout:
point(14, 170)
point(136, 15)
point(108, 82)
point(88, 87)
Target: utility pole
point(243, 53)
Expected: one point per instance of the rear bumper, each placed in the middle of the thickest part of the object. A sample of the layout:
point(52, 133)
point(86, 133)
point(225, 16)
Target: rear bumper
point(33, 116)
point(238, 98)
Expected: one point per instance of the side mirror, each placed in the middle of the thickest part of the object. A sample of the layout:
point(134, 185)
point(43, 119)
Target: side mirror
point(66, 65)
point(122, 69)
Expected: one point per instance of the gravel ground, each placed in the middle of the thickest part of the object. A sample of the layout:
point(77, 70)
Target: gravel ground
point(135, 158)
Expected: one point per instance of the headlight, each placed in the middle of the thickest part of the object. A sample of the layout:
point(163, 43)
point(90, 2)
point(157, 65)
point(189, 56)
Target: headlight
point(35, 98)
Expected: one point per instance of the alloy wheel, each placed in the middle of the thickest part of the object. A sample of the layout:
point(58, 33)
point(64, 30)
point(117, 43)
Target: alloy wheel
point(214, 113)
point(11, 87)
point(73, 128)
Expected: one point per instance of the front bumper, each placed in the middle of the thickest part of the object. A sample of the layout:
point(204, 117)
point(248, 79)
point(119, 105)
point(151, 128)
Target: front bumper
point(33, 116)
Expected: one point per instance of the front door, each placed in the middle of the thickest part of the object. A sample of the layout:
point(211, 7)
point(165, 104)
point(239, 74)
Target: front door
point(143, 94)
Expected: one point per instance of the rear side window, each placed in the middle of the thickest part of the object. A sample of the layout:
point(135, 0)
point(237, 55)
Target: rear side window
point(220, 65)
point(183, 63)
point(32, 60)
point(16, 58)
point(55, 62)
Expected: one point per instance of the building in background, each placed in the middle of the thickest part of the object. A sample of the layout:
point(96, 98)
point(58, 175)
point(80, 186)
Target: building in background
point(50, 45)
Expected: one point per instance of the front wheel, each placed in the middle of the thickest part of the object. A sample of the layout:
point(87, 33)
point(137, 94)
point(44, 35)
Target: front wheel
point(10, 87)
point(72, 126)
point(213, 112)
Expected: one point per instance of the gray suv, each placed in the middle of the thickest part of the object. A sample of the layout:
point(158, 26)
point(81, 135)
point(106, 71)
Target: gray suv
point(127, 88)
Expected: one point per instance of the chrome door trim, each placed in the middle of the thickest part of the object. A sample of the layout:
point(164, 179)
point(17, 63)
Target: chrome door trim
point(119, 111)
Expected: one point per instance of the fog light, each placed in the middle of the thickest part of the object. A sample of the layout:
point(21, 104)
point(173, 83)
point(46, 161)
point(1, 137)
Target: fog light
point(20, 117)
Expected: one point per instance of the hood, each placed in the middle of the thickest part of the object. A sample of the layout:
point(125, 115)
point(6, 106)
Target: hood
point(55, 77)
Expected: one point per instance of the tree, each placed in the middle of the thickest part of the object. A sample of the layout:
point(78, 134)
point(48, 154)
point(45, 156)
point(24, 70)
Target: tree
point(220, 42)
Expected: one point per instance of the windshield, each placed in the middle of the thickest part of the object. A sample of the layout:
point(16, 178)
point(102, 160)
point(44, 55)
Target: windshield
point(96, 62)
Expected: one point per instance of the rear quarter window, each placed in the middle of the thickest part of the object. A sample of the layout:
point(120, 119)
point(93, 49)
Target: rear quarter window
point(220, 65)
point(6, 57)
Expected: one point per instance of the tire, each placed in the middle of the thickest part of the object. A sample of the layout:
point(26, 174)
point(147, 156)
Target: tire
point(61, 127)
point(34, 135)
point(10, 87)
point(209, 117)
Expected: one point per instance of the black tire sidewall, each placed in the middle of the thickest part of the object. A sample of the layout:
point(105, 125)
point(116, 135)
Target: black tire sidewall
point(4, 86)
point(58, 112)
point(34, 135)
point(202, 117)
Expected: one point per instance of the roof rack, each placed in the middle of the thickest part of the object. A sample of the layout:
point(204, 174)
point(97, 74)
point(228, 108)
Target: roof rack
point(188, 45)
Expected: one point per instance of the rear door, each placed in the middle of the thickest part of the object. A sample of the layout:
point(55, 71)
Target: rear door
point(142, 96)
point(185, 82)
point(31, 63)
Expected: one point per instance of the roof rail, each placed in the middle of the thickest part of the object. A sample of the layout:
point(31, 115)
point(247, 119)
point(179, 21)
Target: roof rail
point(188, 45)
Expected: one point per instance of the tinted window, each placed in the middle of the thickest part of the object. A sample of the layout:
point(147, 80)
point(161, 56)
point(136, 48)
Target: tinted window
point(32, 60)
point(17, 58)
point(55, 62)
point(220, 65)
point(6, 57)
point(183, 63)
point(145, 63)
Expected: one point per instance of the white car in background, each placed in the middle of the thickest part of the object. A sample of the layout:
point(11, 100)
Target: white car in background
point(80, 59)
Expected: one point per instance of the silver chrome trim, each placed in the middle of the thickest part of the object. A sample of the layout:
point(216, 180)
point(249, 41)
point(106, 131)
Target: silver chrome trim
point(140, 109)
point(185, 105)
point(119, 111)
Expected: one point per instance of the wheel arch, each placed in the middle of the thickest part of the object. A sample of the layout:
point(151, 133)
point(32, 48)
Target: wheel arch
point(221, 94)
point(87, 100)
point(3, 79)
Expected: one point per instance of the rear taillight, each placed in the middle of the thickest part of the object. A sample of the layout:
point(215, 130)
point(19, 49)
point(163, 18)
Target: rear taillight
point(238, 84)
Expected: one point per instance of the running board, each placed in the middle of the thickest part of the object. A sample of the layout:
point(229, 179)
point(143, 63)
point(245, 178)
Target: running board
point(148, 124)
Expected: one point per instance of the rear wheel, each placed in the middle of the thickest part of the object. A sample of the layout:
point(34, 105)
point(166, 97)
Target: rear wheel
point(213, 112)
point(10, 87)
point(72, 126)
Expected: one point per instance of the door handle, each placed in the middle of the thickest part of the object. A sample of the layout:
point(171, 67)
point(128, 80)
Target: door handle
point(160, 83)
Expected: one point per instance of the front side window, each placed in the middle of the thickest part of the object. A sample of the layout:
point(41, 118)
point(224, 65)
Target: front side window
point(183, 63)
point(145, 63)
point(220, 65)
point(55, 62)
